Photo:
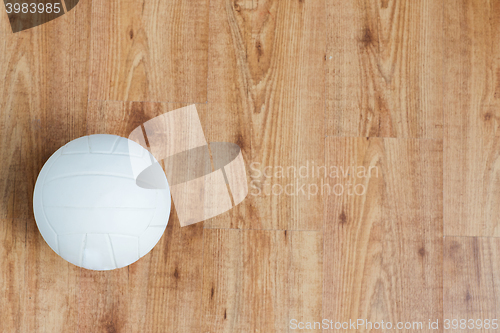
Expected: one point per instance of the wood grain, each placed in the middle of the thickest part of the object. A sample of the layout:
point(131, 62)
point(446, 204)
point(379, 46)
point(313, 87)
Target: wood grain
point(383, 239)
point(472, 104)
point(5, 27)
point(37, 287)
point(43, 103)
point(12, 278)
point(121, 118)
point(471, 280)
point(257, 281)
point(266, 93)
point(162, 291)
point(384, 68)
point(295, 83)
point(103, 305)
point(149, 51)
point(43, 98)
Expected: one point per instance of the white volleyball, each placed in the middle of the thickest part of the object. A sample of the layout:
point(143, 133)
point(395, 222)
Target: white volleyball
point(92, 210)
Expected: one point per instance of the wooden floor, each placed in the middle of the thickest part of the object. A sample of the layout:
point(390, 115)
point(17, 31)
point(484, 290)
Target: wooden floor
point(407, 89)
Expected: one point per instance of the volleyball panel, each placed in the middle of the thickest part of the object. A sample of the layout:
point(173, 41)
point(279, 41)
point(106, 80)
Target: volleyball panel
point(77, 146)
point(71, 248)
point(117, 165)
point(97, 252)
point(96, 191)
point(100, 220)
point(125, 249)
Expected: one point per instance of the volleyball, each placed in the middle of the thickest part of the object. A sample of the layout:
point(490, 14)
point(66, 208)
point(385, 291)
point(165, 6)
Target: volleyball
point(101, 202)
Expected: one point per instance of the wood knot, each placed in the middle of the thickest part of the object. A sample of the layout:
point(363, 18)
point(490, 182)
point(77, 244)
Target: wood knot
point(367, 38)
point(342, 218)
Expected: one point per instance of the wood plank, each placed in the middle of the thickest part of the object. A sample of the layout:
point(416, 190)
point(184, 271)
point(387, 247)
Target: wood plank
point(5, 27)
point(43, 98)
point(12, 276)
point(161, 291)
point(471, 282)
point(103, 301)
point(149, 51)
point(43, 103)
point(384, 69)
point(257, 281)
point(383, 234)
point(38, 288)
point(174, 281)
point(472, 104)
point(266, 93)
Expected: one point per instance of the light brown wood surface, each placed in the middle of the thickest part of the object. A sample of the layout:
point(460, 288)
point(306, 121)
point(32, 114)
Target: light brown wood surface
point(149, 50)
point(384, 65)
point(257, 281)
point(383, 249)
point(407, 87)
point(266, 92)
point(5, 27)
point(43, 103)
point(472, 101)
point(471, 282)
